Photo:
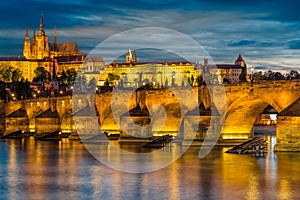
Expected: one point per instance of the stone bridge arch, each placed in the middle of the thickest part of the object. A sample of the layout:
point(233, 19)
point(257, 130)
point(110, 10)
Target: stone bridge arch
point(249, 97)
point(31, 117)
point(67, 123)
point(241, 114)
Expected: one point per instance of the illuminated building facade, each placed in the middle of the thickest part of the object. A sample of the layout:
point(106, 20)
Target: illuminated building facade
point(157, 74)
point(161, 74)
point(228, 73)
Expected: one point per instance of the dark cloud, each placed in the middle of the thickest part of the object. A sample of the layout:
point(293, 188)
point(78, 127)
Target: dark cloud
point(294, 44)
point(224, 28)
point(241, 43)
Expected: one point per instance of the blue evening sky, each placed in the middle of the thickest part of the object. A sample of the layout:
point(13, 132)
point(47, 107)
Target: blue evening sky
point(267, 33)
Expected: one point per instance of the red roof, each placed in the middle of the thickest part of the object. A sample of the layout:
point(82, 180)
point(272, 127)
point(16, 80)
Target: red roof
point(240, 59)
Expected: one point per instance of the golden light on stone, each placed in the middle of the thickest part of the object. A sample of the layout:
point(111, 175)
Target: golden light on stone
point(235, 137)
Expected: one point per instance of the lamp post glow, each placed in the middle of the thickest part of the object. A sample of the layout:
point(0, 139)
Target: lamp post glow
point(252, 77)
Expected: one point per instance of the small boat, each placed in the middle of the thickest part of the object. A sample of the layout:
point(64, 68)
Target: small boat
point(13, 135)
point(56, 135)
point(159, 142)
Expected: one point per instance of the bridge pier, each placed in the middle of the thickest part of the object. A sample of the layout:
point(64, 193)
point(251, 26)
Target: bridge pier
point(288, 128)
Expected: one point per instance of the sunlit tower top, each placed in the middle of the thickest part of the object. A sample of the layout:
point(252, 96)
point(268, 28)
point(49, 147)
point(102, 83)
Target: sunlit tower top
point(240, 61)
point(131, 58)
point(27, 48)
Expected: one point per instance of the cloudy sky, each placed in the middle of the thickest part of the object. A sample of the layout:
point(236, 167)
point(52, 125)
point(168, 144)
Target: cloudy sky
point(267, 33)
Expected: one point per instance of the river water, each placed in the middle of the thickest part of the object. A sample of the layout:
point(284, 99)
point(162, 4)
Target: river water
point(66, 170)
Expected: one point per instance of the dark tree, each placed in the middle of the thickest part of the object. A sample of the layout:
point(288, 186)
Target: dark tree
point(67, 77)
point(41, 74)
point(16, 75)
point(5, 73)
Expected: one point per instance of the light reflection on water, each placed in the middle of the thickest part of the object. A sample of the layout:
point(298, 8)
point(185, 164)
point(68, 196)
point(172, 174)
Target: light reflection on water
point(65, 170)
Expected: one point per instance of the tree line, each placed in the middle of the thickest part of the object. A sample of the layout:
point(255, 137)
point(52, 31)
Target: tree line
point(271, 75)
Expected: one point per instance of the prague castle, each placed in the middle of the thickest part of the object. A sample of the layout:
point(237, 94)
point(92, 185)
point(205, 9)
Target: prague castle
point(54, 57)
point(57, 57)
point(160, 74)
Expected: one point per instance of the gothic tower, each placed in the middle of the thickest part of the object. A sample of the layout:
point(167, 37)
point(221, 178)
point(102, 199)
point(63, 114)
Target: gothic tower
point(134, 56)
point(240, 61)
point(54, 39)
point(129, 56)
point(42, 31)
point(33, 46)
point(27, 48)
point(41, 45)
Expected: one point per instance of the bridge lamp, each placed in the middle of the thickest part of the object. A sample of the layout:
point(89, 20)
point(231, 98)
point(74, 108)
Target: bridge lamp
point(252, 68)
point(284, 73)
point(252, 77)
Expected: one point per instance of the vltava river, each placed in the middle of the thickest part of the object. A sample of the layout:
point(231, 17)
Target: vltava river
point(65, 170)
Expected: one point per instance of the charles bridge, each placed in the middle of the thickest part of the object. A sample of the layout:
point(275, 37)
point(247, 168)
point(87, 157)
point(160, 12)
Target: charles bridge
point(237, 107)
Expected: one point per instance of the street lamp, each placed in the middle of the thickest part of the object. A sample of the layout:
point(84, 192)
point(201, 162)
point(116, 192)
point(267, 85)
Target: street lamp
point(173, 78)
point(252, 77)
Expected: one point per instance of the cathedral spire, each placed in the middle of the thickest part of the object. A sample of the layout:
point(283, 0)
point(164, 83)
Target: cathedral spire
point(33, 37)
point(27, 48)
point(54, 39)
point(26, 32)
point(42, 32)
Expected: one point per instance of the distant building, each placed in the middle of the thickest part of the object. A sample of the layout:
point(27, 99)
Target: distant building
point(161, 74)
point(92, 67)
point(157, 74)
point(131, 57)
point(228, 73)
point(267, 117)
point(54, 57)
